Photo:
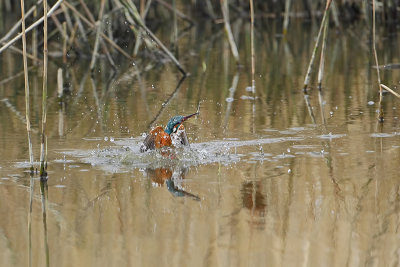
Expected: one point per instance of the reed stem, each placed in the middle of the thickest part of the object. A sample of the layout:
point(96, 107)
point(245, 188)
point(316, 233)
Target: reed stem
point(322, 60)
point(253, 68)
point(43, 151)
point(380, 113)
point(28, 124)
point(316, 47)
point(225, 14)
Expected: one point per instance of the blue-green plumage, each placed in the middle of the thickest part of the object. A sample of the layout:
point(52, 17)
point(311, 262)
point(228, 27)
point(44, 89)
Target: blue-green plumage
point(173, 122)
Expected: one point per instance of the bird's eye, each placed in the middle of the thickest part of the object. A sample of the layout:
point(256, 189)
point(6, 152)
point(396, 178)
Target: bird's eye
point(175, 128)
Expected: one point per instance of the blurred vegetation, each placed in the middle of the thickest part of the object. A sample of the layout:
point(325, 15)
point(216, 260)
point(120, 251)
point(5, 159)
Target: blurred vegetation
point(107, 27)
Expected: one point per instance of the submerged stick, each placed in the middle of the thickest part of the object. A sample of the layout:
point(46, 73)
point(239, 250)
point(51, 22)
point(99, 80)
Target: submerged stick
point(225, 14)
point(322, 60)
point(37, 23)
point(308, 74)
point(44, 94)
point(28, 124)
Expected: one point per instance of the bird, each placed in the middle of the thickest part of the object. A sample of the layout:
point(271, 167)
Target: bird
point(174, 134)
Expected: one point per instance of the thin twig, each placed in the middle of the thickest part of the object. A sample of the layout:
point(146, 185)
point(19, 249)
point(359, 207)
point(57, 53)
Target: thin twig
point(390, 90)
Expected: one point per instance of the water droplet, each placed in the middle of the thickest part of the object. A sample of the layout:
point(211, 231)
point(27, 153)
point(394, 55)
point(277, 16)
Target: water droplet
point(229, 99)
point(111, 139)
point(371, 103)
point(105, 138)
point(289, 171)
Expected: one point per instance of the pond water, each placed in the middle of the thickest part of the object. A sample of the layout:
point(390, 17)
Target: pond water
point(271, 179)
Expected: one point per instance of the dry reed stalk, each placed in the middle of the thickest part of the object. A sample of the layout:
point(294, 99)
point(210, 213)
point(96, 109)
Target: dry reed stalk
point(17, 25)
point(35, 24)
point(34, 37)
point(225, 14)
point(178, 13)
point(60, 82)
point(112, 43)
point(96, 42)
point(389, 90)
point(67, 17)
point(103, 46)
point(380, 113)
point(174, 36)
point(43, 151)
point(308, 74)
point(253, 57)
point(322, 60)
point(139, 34)
point(65, 39)
point(134, 12)
point(28, 123)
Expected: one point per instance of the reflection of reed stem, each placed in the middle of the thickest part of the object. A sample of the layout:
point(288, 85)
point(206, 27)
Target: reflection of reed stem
point(309, 107)
point(31, 187)
point(44, 194)
point(44, 95)
point(316, 47)
point(286, 19)
point(28, 124)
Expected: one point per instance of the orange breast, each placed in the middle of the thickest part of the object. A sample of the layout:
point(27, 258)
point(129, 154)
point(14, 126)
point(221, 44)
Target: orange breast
point(161, 138)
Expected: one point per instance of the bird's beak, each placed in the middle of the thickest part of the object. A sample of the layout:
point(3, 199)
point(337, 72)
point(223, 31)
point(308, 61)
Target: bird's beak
point(189, 116)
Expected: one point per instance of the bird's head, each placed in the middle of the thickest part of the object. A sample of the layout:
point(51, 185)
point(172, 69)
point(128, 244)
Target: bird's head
point(176, 121)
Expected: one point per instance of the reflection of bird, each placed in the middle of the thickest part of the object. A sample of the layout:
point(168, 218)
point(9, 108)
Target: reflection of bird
point(171, 177)
point(174, 134)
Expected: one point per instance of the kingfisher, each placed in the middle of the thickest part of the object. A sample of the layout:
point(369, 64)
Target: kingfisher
point(174, 134)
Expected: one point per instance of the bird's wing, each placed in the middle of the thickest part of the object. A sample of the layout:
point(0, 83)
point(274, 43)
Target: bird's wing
point(150, 140)
point(148, 143)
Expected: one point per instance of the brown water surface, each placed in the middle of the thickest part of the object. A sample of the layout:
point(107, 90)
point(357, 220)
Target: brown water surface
point(266, 182)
